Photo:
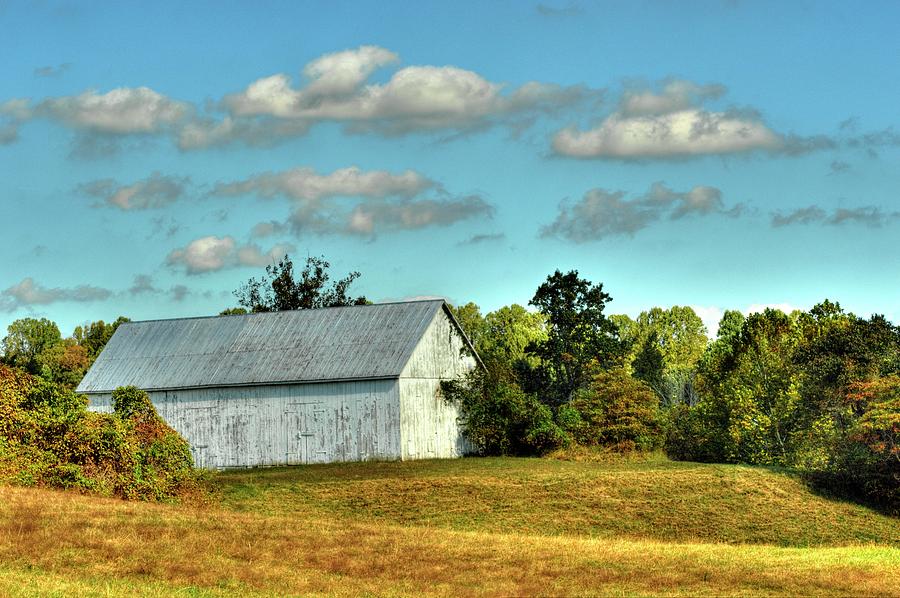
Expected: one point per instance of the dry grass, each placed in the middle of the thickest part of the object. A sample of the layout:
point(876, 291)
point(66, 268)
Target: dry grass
point(639, 499)
point(334, 530)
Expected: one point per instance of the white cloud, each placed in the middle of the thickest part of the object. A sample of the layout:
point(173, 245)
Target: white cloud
point(675, 96)
point(121, 111)
point(28, 293)
point(52, 71)
point(482, 238)
point(142, 285)
point(420, 96)
point(337, 87)
point(255, 132)
point(870, 216)
point(369, 218)
point(8, 134)
point(17, 109)
point(685, 133)
point(354, 202)
point(341, 73)
point(211, 254)
point(415, 98)
point(12, 113)
point(155, 191)
point(307, 184)
point(267, 229)
point(332, 77)
point(671, 122)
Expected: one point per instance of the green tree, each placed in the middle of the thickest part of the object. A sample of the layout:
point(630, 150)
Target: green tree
point(26, 339)
point(649, 366)
point(93, 336)
point(578, 334)
point(665, 346)
point(838, 348)
point(865, 462)
point(64, 363)
point(233, 311)
point(712, 362)
point(279, 290)
point(472, 322)
point(510, 330)
point(499, 418)
point(750, 393)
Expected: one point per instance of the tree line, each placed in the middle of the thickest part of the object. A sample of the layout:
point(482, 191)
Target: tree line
point(817, 391)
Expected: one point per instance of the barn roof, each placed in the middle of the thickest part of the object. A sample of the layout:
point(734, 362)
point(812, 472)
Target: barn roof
point(330, 344)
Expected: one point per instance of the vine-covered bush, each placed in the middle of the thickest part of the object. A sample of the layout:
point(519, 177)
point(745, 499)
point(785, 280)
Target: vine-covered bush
point(49, 438)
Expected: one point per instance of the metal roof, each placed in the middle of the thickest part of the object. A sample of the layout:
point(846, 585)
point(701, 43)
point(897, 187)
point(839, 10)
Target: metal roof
point(336, 343)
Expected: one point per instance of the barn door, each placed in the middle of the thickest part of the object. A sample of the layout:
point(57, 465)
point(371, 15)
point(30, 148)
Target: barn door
point(303, 428)
point(197, 425)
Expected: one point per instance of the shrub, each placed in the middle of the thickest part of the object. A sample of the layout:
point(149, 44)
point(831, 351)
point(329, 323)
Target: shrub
point(501, 419)
point(615, 410)
point(867, 462)
point(130, 401)
point(47, 437)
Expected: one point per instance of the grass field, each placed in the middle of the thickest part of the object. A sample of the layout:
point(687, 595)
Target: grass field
point(464, 527)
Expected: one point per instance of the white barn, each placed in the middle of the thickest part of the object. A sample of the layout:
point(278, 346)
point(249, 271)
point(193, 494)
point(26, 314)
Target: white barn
point(309, 386)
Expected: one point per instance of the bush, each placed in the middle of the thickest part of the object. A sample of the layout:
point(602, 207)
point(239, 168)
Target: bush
point(500, 419)
point(615, 410)
point(867, 462)
point(130, 401)
point(48, 438)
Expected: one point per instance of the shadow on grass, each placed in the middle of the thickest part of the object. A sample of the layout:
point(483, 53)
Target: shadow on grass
point(841, 487)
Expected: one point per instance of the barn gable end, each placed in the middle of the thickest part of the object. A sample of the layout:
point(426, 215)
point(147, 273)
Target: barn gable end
point(428, 425)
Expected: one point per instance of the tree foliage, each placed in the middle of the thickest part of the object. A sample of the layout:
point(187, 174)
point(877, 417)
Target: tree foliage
point(48, 438)
point(26, 339)
point(503, 335)
point(472, 322)
point(94, 335)
point(510, 330)
point(37, 347)
point(498, 418)
point(616, 411)
point(664, 347)
point(578, 333)
point(279, 290)
point(816, 390)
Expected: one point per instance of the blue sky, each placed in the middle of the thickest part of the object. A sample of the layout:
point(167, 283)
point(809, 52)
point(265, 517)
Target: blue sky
point(723, 155)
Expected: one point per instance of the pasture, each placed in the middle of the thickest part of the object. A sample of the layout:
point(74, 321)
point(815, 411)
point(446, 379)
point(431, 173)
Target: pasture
point(496, 526)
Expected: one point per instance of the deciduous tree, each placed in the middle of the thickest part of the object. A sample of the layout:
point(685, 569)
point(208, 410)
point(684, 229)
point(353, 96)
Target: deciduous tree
point(578, 333)
point(26, 339)
point(279, 290)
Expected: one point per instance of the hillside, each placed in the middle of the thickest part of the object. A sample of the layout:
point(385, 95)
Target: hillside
point(473, 526)
point(653, 499)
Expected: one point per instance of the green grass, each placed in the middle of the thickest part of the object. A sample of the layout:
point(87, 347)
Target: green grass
point(451, 528)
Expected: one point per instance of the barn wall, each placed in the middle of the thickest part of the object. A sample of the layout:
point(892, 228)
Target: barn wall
point(283, 424)
point(428, 425)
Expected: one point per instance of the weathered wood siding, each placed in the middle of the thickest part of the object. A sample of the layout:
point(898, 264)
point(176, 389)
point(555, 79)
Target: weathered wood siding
point(283, 424)
point(428, 425)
